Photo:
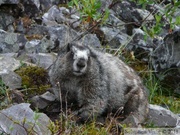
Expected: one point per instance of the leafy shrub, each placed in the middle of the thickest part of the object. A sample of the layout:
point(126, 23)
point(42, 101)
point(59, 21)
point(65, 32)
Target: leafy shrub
point(89, 10)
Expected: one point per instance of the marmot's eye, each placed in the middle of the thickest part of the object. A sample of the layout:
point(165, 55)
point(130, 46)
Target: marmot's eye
point(72, 53)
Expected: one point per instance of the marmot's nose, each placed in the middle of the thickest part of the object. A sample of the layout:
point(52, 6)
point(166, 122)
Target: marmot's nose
point(81, 63)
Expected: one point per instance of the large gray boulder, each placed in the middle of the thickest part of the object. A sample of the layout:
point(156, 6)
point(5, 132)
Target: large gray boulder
point(166, 61)
point(21, 120)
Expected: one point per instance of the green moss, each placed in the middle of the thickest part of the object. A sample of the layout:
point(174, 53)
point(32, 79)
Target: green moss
point(35, 79)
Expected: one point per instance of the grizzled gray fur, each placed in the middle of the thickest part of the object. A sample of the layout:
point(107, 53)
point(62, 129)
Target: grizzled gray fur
point(99, 83)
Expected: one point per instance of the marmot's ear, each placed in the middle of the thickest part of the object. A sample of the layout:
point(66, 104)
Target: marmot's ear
point(69, 46)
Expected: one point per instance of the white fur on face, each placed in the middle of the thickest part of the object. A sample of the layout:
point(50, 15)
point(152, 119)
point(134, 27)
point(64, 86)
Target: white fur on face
point(80, 54)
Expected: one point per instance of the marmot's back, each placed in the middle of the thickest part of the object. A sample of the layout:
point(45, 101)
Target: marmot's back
point(121, 78)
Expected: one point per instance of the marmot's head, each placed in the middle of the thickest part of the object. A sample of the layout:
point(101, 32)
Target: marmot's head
point(80, 57)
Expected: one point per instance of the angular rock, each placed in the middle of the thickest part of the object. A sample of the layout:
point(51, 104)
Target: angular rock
point(130, 13)
point(33, 6)
point(166, 61)
point(45, 4)
point(20, 119)
point(144, 14)
point(31, 46)
point(6, 22)
point(43, 60)
point(91, 39)
point(61, 35)
point(9, 1)
point(139, 45)
point(115, 22)
point(48, 96)
point(105, 3)
point(49, 18)
point(161, 117)
point(56, 37)
point(11, 79)
point(10, 42)
point(8, 63)
point(43, 101)
point(61, 15)
point(114, 37)
point(37, 102)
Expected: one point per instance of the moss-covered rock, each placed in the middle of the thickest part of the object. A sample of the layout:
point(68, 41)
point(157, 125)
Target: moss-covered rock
point(35, 79)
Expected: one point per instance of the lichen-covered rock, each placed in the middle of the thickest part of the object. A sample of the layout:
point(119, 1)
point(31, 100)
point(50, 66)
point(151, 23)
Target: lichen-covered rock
point(6, 22)
point(10, 42)
point(166, 61)
point(20, 119)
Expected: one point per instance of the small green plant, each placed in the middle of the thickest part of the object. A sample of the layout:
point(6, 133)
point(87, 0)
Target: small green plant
point(5, 98)
point(162, 17)
point(160, 95)
point(89, 10)
point(2, 88)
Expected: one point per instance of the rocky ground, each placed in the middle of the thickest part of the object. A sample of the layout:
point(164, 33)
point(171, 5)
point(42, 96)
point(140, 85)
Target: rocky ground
point(33, 32)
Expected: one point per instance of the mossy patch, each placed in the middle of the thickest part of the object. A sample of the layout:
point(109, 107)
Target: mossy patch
point(35, 79)
point(172, 103)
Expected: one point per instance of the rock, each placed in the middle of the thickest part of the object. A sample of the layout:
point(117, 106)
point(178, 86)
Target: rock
point(61, 35)
point(33, 6)
point(114, 37)
point(105, 3)
point(10, 42)
point(9, 1)
point(8, 63)
point(144, 14)
point(20, 119)
point(61, 15)
point(47, 45)
point(166, 62)
point(37, 102)
point(115, 22)
point(161, 117)
point(37, 30)
point(92, 40)
point(139, 45)
point(49, 18)
point(124, 10)
point(43, 101)
point(11, 79)
point(31, 46)
point(43, 60)
point(48, 96)
point(56, 37)
point(6, 22)
point(128, 12)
